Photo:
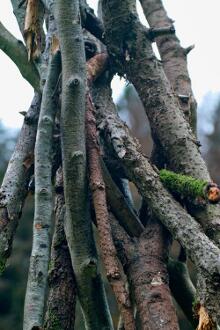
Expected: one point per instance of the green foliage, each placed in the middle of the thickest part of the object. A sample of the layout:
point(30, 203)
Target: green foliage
point(183, 185)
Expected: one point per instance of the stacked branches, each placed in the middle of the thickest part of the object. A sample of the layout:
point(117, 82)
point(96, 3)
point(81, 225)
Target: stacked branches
point(142, 251)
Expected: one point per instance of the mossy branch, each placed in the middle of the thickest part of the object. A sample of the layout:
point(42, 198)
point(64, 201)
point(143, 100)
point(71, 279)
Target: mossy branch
point(188, 187)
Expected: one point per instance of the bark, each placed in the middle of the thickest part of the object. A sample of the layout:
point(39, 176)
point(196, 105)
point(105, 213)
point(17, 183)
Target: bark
point(114, 274)
point(120, 207)
point(18, 54)
point(62, 287)
point(78, 224)
point(37, 277)
point(174, 58)
point(14, 187)
point(131, 52)
point(147, 276)
point(200, 249)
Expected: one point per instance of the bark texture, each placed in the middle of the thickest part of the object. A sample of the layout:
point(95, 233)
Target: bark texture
point(130, 48)
point(78, 225)
point(37, 277)
point(174, 58)
point(114, 274)
point(14, 187)
point(62, 286)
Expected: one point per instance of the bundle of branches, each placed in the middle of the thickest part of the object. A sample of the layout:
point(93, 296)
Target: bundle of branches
point(72, 132)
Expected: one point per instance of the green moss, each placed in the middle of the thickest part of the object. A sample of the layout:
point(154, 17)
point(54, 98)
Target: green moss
point(183, 185)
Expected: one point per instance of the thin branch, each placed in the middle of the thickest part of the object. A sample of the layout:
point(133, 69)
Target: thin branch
point(77, 223)
point(120, 207)
point(18, 54)
point(108, 251)
point(62, 286)
point(14, 187)
point(37, 278)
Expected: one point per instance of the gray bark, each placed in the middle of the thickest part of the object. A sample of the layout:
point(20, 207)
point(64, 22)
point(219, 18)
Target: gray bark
point(14, 187)
point(78, 224)
point(37, 277)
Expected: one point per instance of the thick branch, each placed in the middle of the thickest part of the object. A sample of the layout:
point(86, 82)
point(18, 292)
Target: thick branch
point(173, 57)
point(108, 251)
point(17, 52)
point(37, 278)
point(62, 287)
point(137, 60)
point(14, 187)
point(78, 225)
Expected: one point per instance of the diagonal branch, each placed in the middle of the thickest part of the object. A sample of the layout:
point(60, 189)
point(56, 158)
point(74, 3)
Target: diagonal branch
point(18, 54)
point(37, 277)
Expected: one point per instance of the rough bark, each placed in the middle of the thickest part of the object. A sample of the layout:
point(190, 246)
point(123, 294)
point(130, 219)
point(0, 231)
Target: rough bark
point(18, 54)
point(130, 48)
point(200, 249)
point(174, 59)
point(37, 277)
point(62, 286)
point(14, 187)
point(147, 276)
point(78, 225)
point(114, 274)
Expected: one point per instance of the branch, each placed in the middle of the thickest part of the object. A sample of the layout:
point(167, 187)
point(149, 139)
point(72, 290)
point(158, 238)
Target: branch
point(182, 288)
point(62, 287)
point(147, 276)
point(168, 125)
point(114, 274)
point(119, 206)
point(173, 57)
point(14, 187)
point(200, 249)
point(37, 278)
point(153, 33)
point(185, 186)
point(77, 224)
point(17, 52)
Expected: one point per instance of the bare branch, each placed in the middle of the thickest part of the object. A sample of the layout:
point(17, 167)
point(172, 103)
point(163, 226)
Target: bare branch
point(62, 287)
point(14, 187)
point(18, 54)
point(78, 225)
point(37, 278)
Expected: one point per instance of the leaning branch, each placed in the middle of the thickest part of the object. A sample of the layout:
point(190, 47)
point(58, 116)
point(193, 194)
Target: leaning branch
point(18, 54)
point(37, 277)
point(78, 225)
point(173, 57)
point(14, 187)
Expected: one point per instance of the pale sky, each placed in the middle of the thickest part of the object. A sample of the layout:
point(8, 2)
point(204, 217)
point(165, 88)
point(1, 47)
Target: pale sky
point(197, 22)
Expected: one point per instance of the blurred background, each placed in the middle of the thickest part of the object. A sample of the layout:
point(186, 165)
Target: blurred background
point(204, 69)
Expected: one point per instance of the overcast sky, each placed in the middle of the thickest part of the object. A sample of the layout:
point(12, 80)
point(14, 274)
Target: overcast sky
point(197, 22)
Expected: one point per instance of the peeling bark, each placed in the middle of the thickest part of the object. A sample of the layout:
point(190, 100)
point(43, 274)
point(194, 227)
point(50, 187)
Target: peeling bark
point(37, 277)
point(14, 187)
point(78, 225)
point(62, 287)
